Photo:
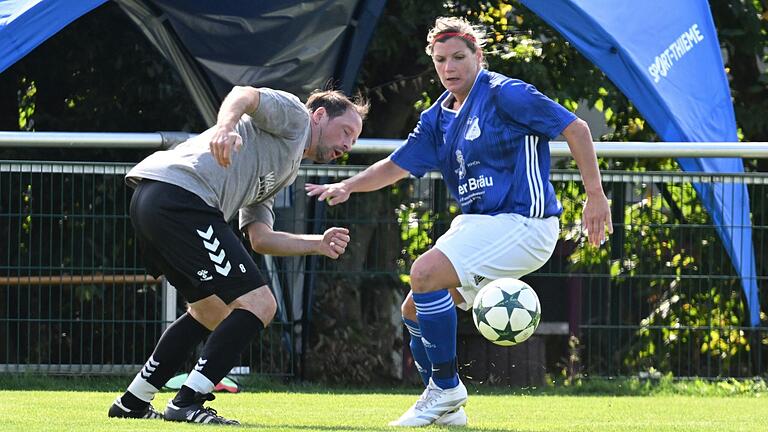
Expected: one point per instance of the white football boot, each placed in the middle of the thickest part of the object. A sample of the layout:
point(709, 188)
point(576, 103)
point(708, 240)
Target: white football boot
point(453, 418)
point(433, 404)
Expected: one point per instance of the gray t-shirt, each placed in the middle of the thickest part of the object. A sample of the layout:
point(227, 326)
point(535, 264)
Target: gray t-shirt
point(274, 140)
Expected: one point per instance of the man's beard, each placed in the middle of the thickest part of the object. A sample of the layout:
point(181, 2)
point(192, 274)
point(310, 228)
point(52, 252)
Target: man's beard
point(324, 157)
point(323, 154)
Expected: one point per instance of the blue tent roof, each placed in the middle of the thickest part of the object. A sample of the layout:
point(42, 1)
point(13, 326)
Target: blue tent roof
point(25, 24)
point(665, 57)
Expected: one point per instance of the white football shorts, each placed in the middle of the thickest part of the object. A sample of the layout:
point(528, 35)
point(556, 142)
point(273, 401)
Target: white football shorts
point(483, 248)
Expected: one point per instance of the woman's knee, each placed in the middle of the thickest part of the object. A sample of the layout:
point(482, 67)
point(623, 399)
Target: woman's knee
point(420, 277)
point(408, 308)
point(433, 271)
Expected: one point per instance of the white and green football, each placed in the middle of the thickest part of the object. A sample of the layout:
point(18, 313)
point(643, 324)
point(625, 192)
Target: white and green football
point(506, 311)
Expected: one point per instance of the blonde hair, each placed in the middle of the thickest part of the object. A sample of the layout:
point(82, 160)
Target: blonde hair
point(473, 36)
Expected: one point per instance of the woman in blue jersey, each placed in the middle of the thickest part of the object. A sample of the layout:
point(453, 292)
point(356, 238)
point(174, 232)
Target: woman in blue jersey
point(488, 135)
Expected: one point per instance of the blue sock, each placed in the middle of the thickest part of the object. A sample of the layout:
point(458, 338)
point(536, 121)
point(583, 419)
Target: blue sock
point(418, 352)
point(437, 320)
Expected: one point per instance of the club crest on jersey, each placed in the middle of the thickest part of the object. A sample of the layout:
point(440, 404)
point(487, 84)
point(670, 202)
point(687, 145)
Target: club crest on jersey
point(462, 171)
point(473, 129)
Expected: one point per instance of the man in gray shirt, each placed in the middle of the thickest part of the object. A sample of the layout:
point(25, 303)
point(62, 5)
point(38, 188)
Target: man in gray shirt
point(183, 200)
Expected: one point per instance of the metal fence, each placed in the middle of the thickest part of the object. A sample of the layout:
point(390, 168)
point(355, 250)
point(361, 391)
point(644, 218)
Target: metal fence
point(662, 296)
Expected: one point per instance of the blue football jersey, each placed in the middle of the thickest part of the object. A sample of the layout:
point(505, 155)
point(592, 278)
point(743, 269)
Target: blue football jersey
point(493, 152)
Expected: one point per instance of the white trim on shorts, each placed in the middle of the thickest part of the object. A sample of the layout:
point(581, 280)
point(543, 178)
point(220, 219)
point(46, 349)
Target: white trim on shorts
point(483, 248)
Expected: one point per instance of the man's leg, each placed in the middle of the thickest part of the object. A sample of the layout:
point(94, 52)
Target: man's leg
point(181, 337)
point(172, 350)
point(204, 257)
point(249, 314)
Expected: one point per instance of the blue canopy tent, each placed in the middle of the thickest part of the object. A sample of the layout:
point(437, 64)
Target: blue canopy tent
point(665, 57)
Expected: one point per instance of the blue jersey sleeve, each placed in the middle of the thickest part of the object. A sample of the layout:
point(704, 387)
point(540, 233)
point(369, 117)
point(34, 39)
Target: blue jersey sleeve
point(418, 154)
point(525, 105)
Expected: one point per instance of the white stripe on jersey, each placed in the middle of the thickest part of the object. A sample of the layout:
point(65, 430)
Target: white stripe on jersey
point(535, 187)
point(537, 174)
point(528, 173)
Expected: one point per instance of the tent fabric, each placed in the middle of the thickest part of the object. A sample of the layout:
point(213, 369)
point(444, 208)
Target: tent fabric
point(160, 33)
point(25, 24)
point(291, 45)
point(665, 57)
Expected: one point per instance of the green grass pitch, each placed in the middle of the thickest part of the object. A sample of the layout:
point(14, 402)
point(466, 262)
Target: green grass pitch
point(28, 411)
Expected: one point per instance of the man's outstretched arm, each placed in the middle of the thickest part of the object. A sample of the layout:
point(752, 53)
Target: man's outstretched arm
point(266, 241)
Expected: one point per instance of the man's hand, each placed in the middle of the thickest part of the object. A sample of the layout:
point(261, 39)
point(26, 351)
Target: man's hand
point(224, 142)
point(596, 216)
point(334, 193)
point(334, 242)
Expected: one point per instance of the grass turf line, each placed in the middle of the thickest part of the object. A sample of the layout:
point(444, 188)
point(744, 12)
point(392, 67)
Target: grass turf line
point(28, 411)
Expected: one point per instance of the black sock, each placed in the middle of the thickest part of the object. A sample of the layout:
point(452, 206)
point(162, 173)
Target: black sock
point(174, 347)
point(132, 402)
point(221, 352)
point(184, 397)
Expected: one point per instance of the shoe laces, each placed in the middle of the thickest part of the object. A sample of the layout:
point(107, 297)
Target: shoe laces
point(428, 397)
point(215, 414)
point(207, 397)
point(212, 411)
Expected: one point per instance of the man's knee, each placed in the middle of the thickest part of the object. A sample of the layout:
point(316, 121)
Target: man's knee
point(209, 312)
point(259, 302)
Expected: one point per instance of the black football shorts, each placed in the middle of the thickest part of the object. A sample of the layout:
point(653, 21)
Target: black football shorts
point(188, 241)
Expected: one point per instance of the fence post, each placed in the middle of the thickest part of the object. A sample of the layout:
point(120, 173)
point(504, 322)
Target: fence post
point(169, 304)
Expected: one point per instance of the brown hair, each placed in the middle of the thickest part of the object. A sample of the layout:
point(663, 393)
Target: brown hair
point(450, 27)
point(337, 103)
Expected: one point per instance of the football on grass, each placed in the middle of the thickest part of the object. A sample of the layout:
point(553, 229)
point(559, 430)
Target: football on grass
point(506, 311)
